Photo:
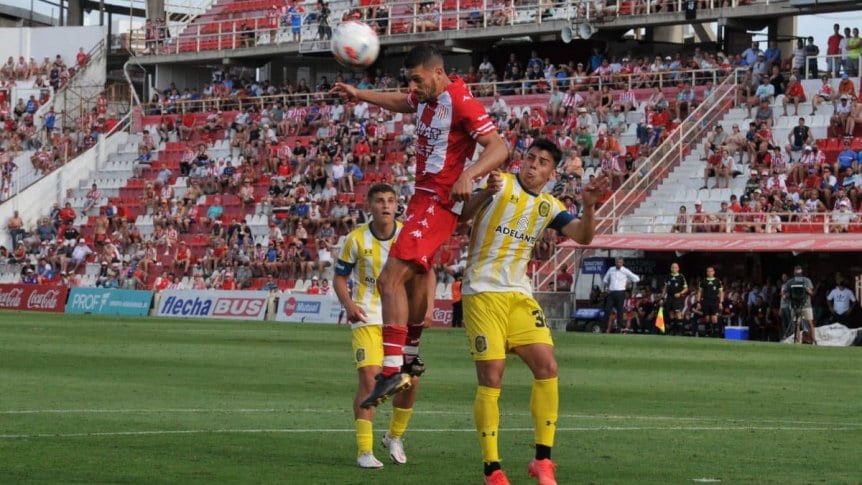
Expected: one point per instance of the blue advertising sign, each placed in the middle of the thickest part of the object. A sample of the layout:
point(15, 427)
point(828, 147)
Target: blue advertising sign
point(595, 266)
point(107, 301)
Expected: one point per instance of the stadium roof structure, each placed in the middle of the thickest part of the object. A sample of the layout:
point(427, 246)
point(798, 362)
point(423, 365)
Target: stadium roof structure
point(728, 242)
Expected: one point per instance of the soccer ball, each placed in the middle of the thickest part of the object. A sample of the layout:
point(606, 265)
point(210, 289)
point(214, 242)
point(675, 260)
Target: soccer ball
point(355, 44)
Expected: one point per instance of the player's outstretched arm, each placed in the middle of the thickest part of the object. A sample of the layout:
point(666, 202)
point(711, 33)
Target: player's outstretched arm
point(479, 199)
point(582, 230)
point(494, 154)
point(393, 101)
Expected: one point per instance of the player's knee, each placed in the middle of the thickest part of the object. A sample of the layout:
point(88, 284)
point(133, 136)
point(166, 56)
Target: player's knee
point(489, 377)
point(546, 369)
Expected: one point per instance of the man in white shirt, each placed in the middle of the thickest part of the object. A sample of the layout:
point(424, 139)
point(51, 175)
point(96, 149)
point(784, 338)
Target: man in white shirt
point(486, 67)
point(616, 280)
point(408, 130)
point(499, 107)
point(79, 254)
point(93, 198)
point(840, 301)
point(360, 111)
point(337, 112)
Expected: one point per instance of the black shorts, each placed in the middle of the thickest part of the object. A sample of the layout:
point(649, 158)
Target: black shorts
point(709, 308)
point(674, 304)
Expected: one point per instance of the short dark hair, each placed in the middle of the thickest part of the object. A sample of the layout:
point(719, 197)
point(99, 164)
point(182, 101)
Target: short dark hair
point(548, 146)
point(380, 189)
point(422, 55)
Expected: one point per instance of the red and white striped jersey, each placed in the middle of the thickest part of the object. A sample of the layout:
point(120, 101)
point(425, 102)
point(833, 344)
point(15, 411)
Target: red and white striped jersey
point(446, 133)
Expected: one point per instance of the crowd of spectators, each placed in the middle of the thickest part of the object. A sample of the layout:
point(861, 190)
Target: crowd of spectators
point(52, 143)
point(299, 157)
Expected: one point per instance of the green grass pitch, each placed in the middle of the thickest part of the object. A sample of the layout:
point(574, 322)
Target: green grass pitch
point(105, 400)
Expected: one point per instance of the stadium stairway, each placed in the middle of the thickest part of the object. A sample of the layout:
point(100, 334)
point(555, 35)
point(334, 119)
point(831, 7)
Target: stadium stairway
point(682, 187)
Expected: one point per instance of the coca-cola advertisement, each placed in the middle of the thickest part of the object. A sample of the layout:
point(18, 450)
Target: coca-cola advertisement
point(442, 316)
point(34, 298)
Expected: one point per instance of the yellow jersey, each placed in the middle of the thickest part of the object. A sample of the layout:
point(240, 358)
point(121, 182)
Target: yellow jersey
point(363, 256)
point(504, 232)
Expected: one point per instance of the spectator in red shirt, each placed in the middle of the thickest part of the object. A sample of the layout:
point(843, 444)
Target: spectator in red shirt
point(833, 48)
point(314, 289)
point(183, 258)
point(362, 153)
point(67, 214)
point(794, 94)
point(81, 58)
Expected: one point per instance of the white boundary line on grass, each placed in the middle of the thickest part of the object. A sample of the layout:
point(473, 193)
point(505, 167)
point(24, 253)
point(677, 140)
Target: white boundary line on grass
point(98, 434)
point(416, 412)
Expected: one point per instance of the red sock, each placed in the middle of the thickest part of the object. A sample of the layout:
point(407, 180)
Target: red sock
point(393, 348)
point(411, 347)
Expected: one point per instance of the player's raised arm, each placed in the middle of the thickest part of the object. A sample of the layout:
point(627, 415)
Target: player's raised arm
point(494, 154)
point(480, 198)
point(392, 101)
point(582, 230)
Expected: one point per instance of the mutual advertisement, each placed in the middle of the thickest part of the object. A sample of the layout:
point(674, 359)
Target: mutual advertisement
point(300, 308)
point(106, 301)
point(233, 305)
point(37, 298)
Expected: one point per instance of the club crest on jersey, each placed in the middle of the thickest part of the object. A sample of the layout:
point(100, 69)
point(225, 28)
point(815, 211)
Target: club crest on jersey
point(442, 112)
point(360, 355)
point(481, 343)
point(544, 209)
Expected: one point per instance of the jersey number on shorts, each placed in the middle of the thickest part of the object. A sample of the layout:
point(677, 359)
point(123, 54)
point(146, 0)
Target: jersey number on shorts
point(540, 318)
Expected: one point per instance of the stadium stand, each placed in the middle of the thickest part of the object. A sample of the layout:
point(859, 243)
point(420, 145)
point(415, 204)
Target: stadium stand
point(168, 188)
point(51, 127)
point(232, 24)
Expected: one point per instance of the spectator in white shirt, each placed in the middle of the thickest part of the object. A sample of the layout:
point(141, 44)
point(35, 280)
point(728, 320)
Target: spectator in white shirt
point(93, 198)
point(79, 254)
point(499, 106)
point(360, 111)
point(337, 112)
point(408, 130)
point(616, 280)
point(841, 301)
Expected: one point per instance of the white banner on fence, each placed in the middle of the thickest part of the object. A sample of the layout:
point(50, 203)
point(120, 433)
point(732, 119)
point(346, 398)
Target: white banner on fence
point(235, 305)
point(308, 308)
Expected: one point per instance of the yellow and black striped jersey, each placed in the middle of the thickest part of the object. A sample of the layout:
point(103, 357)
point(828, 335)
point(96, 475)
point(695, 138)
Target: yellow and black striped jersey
point(363, 255)
point(503, 234)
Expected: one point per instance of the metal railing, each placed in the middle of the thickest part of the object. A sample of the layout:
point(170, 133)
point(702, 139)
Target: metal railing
point(506, 88)
point(730, 222)
point(21, 184)
point(405, 18)
point(839, 64)
point(661, 161)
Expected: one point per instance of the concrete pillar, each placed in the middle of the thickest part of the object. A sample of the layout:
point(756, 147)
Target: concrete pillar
point(75, 13)
point(672, 34)
point(785, 29)
point(155, 9)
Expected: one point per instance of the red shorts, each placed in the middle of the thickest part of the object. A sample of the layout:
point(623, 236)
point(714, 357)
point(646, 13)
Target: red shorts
point(428, 223)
